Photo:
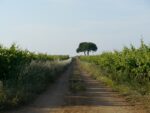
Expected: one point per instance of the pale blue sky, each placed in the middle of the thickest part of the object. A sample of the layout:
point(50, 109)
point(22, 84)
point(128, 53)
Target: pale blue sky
point(57, 26)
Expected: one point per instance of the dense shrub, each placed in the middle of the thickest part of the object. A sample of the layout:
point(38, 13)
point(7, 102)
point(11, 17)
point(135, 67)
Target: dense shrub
point(24, 74)
point(131, 65)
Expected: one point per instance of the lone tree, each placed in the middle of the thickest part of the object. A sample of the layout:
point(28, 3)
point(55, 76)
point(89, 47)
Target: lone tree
point(86, 47)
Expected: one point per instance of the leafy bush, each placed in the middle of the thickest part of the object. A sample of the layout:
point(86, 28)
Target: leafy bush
point(129, 66)
point(24, 74)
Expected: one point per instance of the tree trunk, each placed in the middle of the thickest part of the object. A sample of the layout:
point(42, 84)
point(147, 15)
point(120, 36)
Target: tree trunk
point(88, 53)
point(84, 53)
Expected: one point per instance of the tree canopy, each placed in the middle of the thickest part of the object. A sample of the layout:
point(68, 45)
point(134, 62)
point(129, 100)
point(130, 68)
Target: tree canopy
point(86, 47)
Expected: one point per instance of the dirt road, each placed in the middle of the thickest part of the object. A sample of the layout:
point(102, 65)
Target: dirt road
point(96, 99)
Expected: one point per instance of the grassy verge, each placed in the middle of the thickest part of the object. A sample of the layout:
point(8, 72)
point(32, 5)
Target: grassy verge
point(130, 91)
point(76, 83)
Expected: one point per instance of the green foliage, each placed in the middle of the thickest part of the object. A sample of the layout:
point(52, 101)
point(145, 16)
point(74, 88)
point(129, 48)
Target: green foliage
point(24, 74)
point(13, 59)
point(86, 47)
point(131, 65)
